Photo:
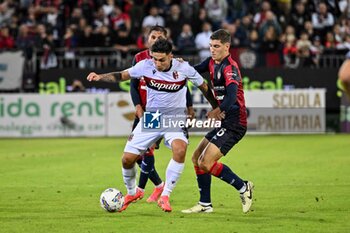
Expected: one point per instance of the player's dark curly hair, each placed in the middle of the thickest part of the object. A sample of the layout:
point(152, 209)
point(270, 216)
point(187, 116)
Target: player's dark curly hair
point(222, 35)
point(162, 46)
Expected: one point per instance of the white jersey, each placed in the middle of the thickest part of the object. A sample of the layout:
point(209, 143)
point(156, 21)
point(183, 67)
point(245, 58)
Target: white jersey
point(166, 89)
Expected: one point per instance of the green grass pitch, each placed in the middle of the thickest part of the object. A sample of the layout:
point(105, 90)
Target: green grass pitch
point(53, 185)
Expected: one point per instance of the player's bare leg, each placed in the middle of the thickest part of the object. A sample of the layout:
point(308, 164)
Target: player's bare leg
point(204, 182)
point(344, 76)
point(173, 172)
point(129, 175)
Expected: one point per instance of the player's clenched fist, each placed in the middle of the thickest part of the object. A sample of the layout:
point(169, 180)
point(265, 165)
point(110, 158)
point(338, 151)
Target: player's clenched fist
point(93, 77)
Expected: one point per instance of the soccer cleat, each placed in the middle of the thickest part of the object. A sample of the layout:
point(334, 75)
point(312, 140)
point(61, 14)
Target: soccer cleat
point(164, 203)
point(247, 197)
point(128, 199)
point(156, 194)
point(199, 209)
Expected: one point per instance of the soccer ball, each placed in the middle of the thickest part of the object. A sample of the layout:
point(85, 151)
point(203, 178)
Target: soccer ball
point(111, 200)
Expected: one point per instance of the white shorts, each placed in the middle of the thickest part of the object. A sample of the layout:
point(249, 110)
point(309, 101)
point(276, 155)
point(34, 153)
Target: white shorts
point(140, 140)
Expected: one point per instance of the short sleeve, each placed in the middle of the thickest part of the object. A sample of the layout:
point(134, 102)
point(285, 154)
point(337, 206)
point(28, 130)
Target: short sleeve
point(137, 70)
point(193, 75)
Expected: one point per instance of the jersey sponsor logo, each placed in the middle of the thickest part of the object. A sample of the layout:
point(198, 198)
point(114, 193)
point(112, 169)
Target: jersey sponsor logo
point(164, 85)
point(232, 74)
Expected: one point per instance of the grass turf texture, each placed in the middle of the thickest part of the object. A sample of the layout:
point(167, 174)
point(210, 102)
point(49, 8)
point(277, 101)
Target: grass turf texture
point(53, 185)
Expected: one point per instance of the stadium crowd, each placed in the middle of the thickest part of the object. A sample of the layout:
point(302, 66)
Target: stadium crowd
point(290, 33)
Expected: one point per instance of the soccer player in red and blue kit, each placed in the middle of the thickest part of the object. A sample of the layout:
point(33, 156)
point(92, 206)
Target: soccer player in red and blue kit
point(228, 90)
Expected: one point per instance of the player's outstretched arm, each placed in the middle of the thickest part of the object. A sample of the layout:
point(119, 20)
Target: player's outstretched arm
point(112, 77)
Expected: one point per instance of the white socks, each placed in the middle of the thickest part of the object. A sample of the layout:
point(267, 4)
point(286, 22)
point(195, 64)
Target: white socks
point(129, 176)
point(243, 189)
point(173, 173)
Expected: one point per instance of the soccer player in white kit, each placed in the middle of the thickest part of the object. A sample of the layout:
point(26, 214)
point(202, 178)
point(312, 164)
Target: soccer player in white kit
point(166, 89)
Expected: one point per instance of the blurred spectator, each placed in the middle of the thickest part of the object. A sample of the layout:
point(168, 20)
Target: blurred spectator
point(298, 17)
point(270, 21)
point(290, 58)
point(80, 29)
point(6, 11)
point(290, 31)
point(174, 21)
point(338, 35)
point(254, 42)
point(26, 41)
point(344, 8)
point(330, 42)
point(303, 43)
point(322, 20)
point(270, 46)
point(142, 39)
point(120, 21)
point(199, 21)
point(345, 45)
point(202, 41)
point(309, 29)
point(190, 9)
point(77, 14)
point(236, 10)
point(13, 26)
point(260, 16)
point(46, 43)
point(124, 42)
point(344, 26)
point(108, 7)
point(87, 7)
point(168, 35)
point(70, 44)
point(284, 7)
point(304, 51)
point(153, 18)
point(104, 37)
point(88, 38)
point(185, 41)
point(100, 20)
point(217, 12)
point(6, 40)
point(239, 34)
point(137, 13)
point(253, 7)
point(316, 50)
point(164, 7)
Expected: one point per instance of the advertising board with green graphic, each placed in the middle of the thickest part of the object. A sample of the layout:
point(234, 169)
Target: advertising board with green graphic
point(33, 115)
point(112, 114)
